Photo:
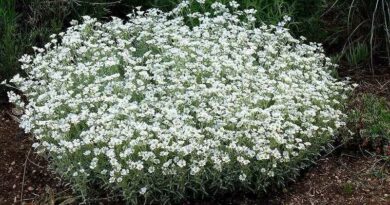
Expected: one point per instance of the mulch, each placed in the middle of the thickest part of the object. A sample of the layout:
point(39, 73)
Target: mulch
point(377, 83)
point(343, 179)
point(24, 175)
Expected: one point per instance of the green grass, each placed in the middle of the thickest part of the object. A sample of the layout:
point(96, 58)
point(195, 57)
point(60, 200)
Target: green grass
point(357, 55)
point(8, 34)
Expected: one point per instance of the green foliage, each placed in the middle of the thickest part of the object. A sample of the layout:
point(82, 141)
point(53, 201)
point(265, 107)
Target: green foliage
point(9, 46)
point(305, 13)
point(28, 23)
point(359, 29)
point(355, 30)
point(352, 23)
point(268, 11)
point(348, 188)
point(357, 54)
point(371, 120)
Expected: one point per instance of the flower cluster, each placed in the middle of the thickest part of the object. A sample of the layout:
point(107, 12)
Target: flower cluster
point(150, 104)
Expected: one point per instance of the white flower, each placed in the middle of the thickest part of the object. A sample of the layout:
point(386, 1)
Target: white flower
point(120, 179)
point(242, 177)
point(151, 169)
point(143, 190)
point(234, 4)
point(181, 163)
point(194, 170)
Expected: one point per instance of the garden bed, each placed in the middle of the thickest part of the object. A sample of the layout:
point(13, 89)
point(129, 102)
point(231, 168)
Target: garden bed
point(190, 106)
point(347, 177)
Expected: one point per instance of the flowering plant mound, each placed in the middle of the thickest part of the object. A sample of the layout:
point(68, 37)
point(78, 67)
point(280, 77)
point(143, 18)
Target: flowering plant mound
point(153, 109)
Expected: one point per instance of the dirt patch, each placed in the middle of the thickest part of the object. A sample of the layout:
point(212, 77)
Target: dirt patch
point(23, 174)
point(344, 179)
point(377, 84)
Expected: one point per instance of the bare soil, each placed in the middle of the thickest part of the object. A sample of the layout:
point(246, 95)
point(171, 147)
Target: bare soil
point(344, 179)
point(23, 175)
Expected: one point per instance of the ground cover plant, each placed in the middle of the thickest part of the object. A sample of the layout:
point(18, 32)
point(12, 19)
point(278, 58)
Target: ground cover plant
point(305, 14)
point(355, 32)
point(154, 110)
point(371, 120)
point(27, 23)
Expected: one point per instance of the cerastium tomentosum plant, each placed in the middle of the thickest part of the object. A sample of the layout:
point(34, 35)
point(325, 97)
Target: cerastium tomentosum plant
point(155, 110)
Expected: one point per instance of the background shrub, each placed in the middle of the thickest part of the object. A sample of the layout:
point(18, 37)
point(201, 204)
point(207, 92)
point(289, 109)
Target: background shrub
point(8, 47)
point(353, 25)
